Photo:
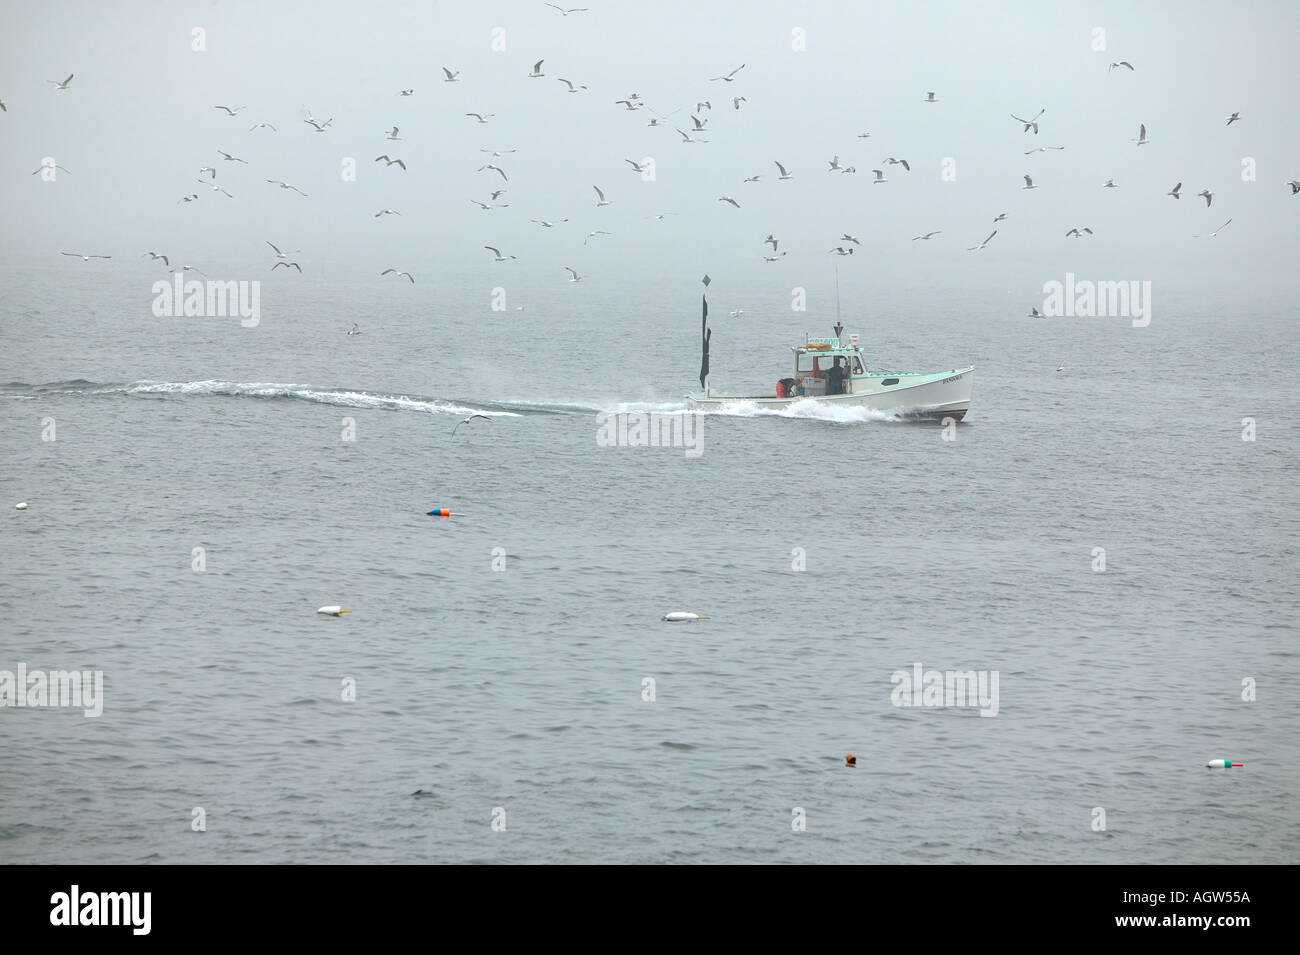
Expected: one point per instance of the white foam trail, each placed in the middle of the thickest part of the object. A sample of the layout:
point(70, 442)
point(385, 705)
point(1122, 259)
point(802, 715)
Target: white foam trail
point(347, 399)
point(745, 408)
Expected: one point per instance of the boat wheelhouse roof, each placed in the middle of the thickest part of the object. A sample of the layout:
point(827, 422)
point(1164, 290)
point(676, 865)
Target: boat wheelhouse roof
point(826, 346)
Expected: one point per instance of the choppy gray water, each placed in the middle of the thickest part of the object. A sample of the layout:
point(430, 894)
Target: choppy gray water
point(522, 688)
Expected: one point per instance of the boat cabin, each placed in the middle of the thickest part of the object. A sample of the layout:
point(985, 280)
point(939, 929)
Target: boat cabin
point(824, 366)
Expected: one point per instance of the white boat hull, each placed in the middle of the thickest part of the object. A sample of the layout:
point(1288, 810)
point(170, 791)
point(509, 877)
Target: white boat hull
point(938, 395)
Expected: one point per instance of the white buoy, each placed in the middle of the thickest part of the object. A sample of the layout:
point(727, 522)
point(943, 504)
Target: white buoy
point(333, 611)
point(1222, 764)
point(21, 507)
point(681, 616)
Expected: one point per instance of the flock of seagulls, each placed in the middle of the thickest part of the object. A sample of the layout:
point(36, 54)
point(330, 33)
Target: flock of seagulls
point(697, 131)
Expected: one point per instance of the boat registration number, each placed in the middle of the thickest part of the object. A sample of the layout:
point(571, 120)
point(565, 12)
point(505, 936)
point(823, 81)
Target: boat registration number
point(953, 378)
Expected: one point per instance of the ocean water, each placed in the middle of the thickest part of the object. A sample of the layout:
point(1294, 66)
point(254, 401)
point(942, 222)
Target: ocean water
point(521, 688)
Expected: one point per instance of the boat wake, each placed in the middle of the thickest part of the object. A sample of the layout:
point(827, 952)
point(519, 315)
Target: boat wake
point(351, 398)
point(342, 397)
point(743, 408)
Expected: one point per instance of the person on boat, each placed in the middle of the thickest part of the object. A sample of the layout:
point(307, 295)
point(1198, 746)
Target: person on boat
point(835, 378)
point(785, 388)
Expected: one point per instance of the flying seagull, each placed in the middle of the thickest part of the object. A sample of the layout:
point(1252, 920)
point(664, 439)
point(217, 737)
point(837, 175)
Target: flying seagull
point(387, 212)
point(601, 200)
point(276, 250)
point(1110, 184)
point(880, 176)
point(154, 256)
point(1034, 313)
point(85, 258)
point(410, 92)
point(572, 88)
point(216, 188)
point(487, 208)
point(574, 276)
point(568, 11)
point(1142, 135)
point(389, 162)
point(450, 76)
point(929, 98)
point(976, 248)
point(629, 104)
point(320, 127)
point(1235, 117)
point(840, 250)
point(834, 163)
point(1030, 123)
point(1120, 63)
point(399, 272)
point(784, 173)
point(592, 235)
point(261, 126)
point(287, 265)
point(497, 194)
point(285, 185)
point(854, 239)
point(48, 165)
point(480, 117)
point(497, 168)
point(687, 139)
point(1295, 186)
point(729, 199)
point(737, 100)
point(774, 258)
point(636, 165)
point(754, 179)
point(190, 268)
point(1174, 191)
point(926, 236)
point(392, 134)
point(545, 224)
point(1075, 233)
point(229, 158)
point(229, 111)
point(891, 161)
point(1041, 149)
point(498, 153)
point(537, 70)
point(998, 218)
point(497, 253)
point(1207, 196)
point(1029, 184)
point(473, 416)
point(57, 85)
point(1214, 233)
point(726, 79)
point(772, 240)
point(187, 198)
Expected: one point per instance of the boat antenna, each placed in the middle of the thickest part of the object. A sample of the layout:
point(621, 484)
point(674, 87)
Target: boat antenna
point(839, 327)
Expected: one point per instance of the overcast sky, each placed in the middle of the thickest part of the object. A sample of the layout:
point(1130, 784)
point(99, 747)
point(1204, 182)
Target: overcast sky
point(138, 122)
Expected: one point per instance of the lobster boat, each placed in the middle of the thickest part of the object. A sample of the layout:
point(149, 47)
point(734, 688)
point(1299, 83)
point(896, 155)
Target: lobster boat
point(834, 372)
